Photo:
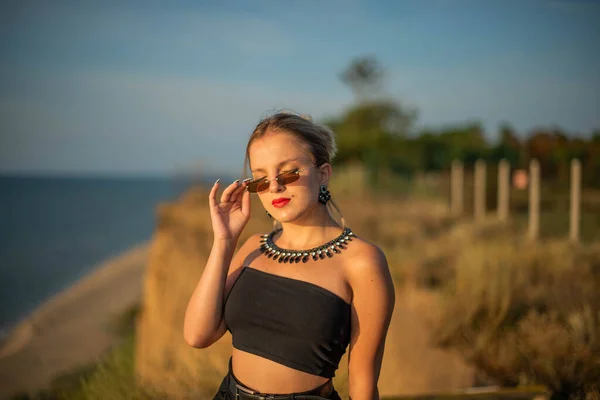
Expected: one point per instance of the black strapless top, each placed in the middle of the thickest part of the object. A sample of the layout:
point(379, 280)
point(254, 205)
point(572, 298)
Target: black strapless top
point(292, 322)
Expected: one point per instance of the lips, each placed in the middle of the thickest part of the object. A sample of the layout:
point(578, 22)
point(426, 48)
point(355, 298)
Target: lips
point(278, 203)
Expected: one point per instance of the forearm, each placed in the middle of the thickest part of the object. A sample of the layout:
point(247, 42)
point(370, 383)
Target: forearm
point(205, 309)
point(363, 391)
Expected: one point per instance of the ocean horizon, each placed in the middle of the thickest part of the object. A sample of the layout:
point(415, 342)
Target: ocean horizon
point(56, 229)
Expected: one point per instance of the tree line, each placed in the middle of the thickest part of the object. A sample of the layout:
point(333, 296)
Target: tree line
point(380, 132)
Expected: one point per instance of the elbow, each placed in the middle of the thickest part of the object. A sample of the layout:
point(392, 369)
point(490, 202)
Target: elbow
point(193, 338)
point(195, 341)
point(197, 344)
point(199, 337)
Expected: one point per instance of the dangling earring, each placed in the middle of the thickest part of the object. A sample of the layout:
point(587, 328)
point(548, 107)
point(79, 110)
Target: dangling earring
point(324, 195)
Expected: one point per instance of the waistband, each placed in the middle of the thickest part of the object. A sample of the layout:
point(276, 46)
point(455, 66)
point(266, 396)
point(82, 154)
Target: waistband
point(242, 392)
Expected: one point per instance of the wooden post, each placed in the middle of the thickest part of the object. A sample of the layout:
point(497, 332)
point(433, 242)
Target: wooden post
point(575, 200)
point(503, 190)
point(479, 187)
point(457, 188)
point(534, 199)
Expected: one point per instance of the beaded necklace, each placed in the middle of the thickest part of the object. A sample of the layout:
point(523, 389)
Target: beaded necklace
point(335, 246)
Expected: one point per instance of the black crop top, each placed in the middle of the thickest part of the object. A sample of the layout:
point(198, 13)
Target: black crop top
point(292, 322)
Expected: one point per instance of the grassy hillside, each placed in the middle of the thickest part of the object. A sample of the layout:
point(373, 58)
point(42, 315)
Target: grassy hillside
point(521, 312)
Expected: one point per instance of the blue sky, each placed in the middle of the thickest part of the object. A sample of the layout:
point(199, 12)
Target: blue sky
point(154, 87)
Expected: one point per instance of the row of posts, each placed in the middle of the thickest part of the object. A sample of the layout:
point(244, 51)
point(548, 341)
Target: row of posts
point(479, 210)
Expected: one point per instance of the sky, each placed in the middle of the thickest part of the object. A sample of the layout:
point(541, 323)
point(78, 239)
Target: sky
point(155, 87)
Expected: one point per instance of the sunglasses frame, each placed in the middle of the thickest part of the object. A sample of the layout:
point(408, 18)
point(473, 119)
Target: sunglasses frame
point(295, 172)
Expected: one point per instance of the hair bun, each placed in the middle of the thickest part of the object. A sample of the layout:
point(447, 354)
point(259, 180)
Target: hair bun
point(306, 117)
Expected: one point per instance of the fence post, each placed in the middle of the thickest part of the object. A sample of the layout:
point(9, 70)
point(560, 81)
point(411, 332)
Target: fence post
point(534, 199)
point(575, 200)
point(479, 187)
point(456, 188)
point(503, 190)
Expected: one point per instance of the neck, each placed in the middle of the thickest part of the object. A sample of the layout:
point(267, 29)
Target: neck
point(311, 230)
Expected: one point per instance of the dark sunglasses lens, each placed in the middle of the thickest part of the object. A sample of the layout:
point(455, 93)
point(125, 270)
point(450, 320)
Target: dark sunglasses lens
point(254, 186)
point(288, 177)
point(283, 179)
point(262, 185)
point(258, 186)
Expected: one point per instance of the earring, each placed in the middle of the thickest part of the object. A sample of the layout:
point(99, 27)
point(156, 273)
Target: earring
point(268, 215)
point(324, 195)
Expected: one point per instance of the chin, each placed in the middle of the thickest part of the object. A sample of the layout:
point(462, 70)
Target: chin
point(289, 216)
point(284, 218)
point(285, 214)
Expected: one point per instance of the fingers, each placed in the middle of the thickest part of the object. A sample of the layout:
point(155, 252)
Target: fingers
point(237, 194)
point(212, 196)
point(229, 190)
point(246, 203)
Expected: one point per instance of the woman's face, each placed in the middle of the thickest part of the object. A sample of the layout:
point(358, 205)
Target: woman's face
point(277, 152)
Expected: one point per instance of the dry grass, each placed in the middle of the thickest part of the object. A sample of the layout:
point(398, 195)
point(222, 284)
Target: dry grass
point(523, 313)
point(179, 250)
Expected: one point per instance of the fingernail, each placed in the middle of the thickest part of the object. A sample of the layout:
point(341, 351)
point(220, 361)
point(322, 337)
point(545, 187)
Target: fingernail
point(217, 181)
point(237, 181)
point(246, 180)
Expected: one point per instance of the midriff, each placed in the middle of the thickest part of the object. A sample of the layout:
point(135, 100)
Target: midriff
point(267, 376)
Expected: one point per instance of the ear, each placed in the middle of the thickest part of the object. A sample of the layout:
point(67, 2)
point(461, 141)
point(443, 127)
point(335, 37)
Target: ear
point(325, 173)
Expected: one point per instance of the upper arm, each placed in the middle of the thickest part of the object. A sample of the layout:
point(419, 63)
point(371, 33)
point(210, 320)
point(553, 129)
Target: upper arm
point(235, 268)
point(238, 260)
point(372, 306)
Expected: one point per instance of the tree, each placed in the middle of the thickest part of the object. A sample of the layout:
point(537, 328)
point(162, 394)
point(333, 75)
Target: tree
point(509, 147)
point(369, 127)
point(365, 76)
point(369, 130)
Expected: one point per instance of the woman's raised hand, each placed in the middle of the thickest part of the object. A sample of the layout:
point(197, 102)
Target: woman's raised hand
point(231, 214)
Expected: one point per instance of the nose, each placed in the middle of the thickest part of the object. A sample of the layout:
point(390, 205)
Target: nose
point(274, 186)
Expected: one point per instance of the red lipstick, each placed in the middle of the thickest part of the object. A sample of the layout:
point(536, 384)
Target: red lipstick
point(280, 202)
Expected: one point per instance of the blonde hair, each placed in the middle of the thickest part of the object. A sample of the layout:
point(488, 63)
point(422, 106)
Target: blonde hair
point(318, 139)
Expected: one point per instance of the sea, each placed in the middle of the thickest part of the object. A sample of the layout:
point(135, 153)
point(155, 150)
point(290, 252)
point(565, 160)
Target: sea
point(54, 230)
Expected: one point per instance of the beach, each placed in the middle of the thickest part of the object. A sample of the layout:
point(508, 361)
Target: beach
point(70, 329)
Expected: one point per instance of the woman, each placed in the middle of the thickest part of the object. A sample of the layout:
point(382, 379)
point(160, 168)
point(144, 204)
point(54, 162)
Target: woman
point(296, 298)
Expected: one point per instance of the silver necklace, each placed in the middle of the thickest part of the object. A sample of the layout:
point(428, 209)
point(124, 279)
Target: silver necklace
point(335, 246)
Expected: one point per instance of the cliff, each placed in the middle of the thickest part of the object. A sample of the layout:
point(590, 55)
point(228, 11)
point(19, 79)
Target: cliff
point(178, 253)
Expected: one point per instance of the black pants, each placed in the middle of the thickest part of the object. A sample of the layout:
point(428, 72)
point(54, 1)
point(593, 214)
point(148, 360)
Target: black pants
point(225, 391)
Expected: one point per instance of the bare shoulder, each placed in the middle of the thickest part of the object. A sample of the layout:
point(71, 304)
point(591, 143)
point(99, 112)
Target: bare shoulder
point(244, 252)
point(244, 256)
point(363, 254)
point(250, 245)
point(253, 240)
point(366, 262)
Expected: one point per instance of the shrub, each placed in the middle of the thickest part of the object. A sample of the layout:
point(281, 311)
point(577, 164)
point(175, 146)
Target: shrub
point(525, 313)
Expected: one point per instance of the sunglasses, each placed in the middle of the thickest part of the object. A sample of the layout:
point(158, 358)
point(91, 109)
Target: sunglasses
point(283, 178)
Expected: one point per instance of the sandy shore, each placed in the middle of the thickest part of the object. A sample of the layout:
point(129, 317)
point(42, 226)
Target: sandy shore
point(69, 330)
